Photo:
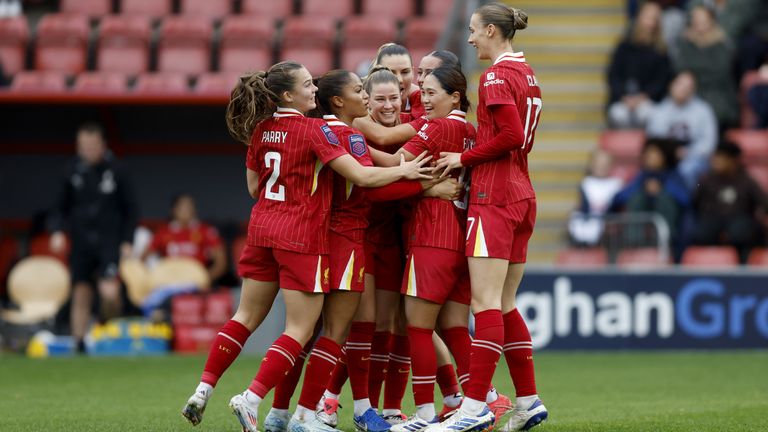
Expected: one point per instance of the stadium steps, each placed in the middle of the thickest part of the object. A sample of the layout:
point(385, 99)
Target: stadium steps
point(568, 43)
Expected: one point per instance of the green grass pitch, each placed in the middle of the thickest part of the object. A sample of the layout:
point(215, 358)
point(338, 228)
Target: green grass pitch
point(616, 391)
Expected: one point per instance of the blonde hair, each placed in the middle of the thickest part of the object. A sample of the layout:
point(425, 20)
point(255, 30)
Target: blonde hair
point(379, 75)
point(256, 96)
point(507, 19)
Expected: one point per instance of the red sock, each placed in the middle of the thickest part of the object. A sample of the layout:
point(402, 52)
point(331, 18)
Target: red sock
point(518, 350)
point(460, 345)
point(278, 361)
point(424, 366)
point(446, 378)
point(340, 374)
point(285, 388)
point(486, 350)
point(359, 357)
point(225, 348)
point(378, 366)
point(398, 371)
point(321, 362)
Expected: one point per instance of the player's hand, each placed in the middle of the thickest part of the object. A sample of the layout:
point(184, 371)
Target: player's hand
point(416, 169)
point(126, 250)
point(57, 242)
point(447, 162)
point(448, 189)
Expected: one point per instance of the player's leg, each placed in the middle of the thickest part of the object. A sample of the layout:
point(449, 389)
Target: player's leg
point(80, 311)
point(398, 369)
point(446, 376)
point(110, 298)
point(387, 303)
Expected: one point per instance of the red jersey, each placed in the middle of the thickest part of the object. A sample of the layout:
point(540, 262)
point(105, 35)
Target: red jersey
point(414, 105)
point(349, 209)
point(193, 241)
point(437, 222)
point(510, 80)
point(289, 151)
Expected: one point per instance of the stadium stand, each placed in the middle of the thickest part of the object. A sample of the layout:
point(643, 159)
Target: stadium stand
point(216, 83)
point(62, 43)
point(147, 8)
point(623, 145)
point(399, 9)
point(753, 144)
point(91, 8)
point(246, 44)
point(436, 9)
point(758, 257)
point(327, 8)
point(710, 256)
point(40, 245)
point(310, 39)
point(123, 44)
point(582, 258)
point(14, 34)
point(206, 8)
point(420, 36)
point(362, 38)
point(185, 45)
point(154, 83)
point(39, 82)
point(277, 9)
point(101, 82)
point(641, 258)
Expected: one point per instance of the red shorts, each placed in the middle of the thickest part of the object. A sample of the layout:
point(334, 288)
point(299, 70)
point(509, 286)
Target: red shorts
point(347, 264)
point(437, 275)
point(500, 231)
point(295, 271)
point(385, 263)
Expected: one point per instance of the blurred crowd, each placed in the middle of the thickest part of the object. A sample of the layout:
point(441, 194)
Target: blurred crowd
point(685, 73)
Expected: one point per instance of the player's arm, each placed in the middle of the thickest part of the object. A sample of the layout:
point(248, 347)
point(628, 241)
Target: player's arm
point(510, 137)
point(363, 176)
point(252, 178)
point(384, 159)
point(383, 135)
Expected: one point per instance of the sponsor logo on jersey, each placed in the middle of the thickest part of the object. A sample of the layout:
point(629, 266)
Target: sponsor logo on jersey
point(329, 135)
point(493, 82)
point(357, 145)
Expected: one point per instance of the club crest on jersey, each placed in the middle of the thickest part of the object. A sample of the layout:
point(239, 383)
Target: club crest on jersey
point(329, 135)
point(357, 145)
point(490, 76)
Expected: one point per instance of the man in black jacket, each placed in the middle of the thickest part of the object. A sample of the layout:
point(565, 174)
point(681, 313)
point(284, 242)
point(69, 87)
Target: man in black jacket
point(97, 204)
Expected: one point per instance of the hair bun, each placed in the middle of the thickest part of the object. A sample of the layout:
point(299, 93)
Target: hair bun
point(520, 19)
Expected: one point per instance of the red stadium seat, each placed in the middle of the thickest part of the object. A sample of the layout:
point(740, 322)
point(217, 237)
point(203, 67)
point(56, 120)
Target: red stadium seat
point(753, 143)
point(309, 40)
point(14, 34)
point(625, 170)
point(399, 9)
point(623, 144)
point(758, 257)
point(185, 45)
point(362, 38)
point(150, 8)
point(246, 44)
point(9, 253)
point(583, 258)
point(161, 83)
point(101, 82)
point(206, 8)
point(436, 8)
point(421, 35)
point(274, 9)
point(641, 258)
point(92, 8)
point(327, 8)
point(39, 82)
point(760, 174)
point(216, 83)
point(124, 44)
point(41, 245)
point(710, 256)
point(62, 42)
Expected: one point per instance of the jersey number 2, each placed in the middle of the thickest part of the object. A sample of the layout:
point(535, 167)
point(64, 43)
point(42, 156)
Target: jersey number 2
point(272, 160)
point(530, 124)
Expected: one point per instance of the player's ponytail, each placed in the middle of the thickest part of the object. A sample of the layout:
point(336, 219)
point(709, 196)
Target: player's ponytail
point(507, 19)
point(329, 85)
point(452, 80)
point(256, 96)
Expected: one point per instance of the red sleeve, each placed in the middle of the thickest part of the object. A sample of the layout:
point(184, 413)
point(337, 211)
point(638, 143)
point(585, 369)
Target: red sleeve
point(325, 143)
point(398, 190)
point(250, 159)
point(420, 142)
point(418, 123)
point(157, 244)
point(509, 137)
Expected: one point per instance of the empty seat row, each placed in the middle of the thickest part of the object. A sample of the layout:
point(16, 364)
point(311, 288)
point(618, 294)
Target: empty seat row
point(185, 44)
point(114, 83)
point(217, 9)
point(705, 257)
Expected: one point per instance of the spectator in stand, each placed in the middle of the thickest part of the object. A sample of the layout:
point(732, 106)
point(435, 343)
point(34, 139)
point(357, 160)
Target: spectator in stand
point(186, 236)
point(596, 190)
point(96, 201)
point(657, 188)
point(684, 117)
point(729, 204)
point(706, 51)
point(639, 71)
point(734, 16)
point(757, 97)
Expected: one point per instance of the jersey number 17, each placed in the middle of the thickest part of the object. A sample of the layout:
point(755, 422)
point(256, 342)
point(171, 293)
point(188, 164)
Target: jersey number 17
point(531, 123)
